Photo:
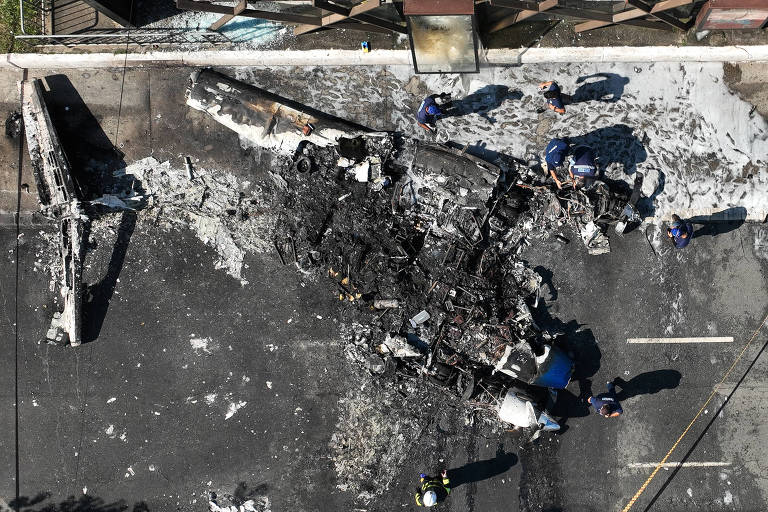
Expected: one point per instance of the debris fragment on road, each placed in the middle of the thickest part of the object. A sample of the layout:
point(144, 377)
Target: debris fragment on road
point(59, 202)
point(269, 120)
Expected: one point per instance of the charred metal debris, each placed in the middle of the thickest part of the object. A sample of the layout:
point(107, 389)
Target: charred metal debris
point(59, 202)
point(422, 242)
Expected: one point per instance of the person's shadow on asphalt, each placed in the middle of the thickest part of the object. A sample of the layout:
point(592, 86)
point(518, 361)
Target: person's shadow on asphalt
point(719, 223)
point(569, 406)
point(582, 347)
point(646, 383)
point(482, 469)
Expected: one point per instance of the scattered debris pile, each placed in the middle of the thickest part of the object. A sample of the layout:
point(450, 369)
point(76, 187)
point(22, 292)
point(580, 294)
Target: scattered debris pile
point(59, 202)
point(228, 214)
point(589, 210)
point(242, 500)
point(421, 242)
point(422, 239)
point(376, 429)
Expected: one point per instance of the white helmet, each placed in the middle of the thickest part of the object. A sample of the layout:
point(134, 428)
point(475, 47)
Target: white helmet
point(430, 498)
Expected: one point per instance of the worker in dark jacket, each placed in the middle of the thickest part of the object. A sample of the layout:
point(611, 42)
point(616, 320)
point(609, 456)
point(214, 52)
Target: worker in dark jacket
point(432, 490)
point(430, 111)
point(582, 168)
point(680, 232)
point(554, 158)
point(606, 403)
point(553, 95)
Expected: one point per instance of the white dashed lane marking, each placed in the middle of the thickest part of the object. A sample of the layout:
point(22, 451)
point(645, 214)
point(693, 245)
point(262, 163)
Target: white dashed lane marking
point(636, 465)
point(720, 339)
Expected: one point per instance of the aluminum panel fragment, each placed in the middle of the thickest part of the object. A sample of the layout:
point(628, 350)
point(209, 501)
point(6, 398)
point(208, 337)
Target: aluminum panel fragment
point(59, 202)
point(264, 118)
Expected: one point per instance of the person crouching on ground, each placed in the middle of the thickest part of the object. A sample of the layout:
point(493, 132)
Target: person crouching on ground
point(432, 490)
point(554, 158)
point(553, 96)
point(679, 232)
point(582, 168)
point(606, 403)
point(430, 111)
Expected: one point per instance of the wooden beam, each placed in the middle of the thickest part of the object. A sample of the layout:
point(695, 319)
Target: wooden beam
point(361, 27)
point(192, 5)
point(328, 6)
point(591, 25)
point(508, 21)
point(240, 7)
point(670, 4)
point(522, 15)
point(655, 25)
point(335, 18)
point(583, 14)
point(359, 13)
point(523, 5)
point(662, 16)
point(282, 17)
point(628, 15)
point(631, 14)
point(361, 8)
point(373, 20)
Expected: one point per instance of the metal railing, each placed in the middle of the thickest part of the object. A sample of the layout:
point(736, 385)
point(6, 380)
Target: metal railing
point(139, 37)
point(32, 16)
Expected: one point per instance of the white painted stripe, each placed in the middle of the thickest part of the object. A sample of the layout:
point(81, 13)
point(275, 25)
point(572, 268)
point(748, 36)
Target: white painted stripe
point(676, 464)
point(512, 56)
point(703, 339)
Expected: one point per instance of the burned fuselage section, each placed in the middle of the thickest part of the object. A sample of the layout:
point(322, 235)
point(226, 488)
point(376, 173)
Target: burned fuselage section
point(421, 241)
point(59, 202)
point(264, 118)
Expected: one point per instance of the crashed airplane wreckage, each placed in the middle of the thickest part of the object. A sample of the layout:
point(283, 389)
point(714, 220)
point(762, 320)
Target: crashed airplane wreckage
point(264, 118)
point(59, 202)
point(421, 241)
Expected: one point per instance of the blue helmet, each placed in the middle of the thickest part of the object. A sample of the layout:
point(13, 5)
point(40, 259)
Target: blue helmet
point(676, 228)
point(432, 110)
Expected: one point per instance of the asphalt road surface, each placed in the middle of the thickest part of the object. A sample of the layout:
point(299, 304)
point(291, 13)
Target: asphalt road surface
point(195, 383)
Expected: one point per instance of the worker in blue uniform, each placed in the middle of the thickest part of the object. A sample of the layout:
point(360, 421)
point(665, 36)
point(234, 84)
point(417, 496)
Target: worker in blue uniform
point(607, 404)
point(554, 158)
point(430, 110)
point(553, 96)
point(680, 232)
point(582, 167)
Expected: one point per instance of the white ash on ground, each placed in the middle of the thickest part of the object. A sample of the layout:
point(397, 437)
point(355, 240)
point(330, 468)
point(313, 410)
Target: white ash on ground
point(385, 420)
point(238, 503)
point(46, 257)
point(227, 214)
point(375, 433)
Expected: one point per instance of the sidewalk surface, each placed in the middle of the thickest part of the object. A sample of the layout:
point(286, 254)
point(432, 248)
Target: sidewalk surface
point(326, 57)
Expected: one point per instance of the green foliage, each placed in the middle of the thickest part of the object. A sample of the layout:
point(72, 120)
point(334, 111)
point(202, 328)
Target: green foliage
point(10, 26)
